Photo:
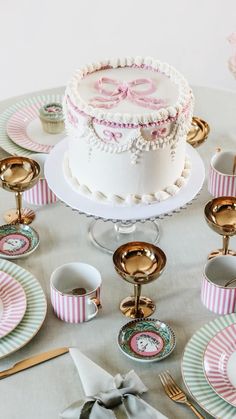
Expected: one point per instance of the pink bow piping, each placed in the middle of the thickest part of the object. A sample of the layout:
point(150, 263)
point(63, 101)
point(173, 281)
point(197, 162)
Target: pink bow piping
point(126, 90)
point(112, 135)
point(156, 133)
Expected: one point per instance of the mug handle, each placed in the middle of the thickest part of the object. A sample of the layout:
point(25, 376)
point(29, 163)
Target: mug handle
point(95, 303)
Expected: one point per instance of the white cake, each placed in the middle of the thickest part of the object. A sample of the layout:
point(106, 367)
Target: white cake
point(127, 121)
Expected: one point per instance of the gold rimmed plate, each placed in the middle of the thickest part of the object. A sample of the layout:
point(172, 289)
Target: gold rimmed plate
point(198, 133)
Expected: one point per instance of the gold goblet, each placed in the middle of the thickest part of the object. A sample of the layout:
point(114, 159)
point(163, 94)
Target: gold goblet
point(17, 174)
point(138, 263)
point(198, 132)
point(220, 214)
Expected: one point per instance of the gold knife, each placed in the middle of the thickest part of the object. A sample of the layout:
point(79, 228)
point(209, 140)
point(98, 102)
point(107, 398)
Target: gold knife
point(32, 361)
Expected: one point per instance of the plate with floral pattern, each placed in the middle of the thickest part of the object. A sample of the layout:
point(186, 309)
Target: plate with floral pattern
point(17, 241)
point(146, 340)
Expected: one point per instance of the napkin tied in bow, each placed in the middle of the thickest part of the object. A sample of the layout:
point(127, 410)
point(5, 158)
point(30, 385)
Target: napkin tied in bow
point(105, 393)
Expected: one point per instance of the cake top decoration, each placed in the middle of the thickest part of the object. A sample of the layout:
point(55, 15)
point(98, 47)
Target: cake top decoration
point(129, 91)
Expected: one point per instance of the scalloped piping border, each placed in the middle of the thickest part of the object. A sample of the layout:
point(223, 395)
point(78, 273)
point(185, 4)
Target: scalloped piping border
point(185, 93)
point(129, 199)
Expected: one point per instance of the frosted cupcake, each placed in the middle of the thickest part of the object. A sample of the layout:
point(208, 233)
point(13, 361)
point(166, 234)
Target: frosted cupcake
point(51, 116)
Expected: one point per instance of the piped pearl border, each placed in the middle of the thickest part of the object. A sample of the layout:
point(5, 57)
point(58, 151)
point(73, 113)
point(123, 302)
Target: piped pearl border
point(185, 93)
point(131, 199)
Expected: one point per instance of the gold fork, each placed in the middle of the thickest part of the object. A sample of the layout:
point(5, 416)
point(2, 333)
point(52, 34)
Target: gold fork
point(175, 393)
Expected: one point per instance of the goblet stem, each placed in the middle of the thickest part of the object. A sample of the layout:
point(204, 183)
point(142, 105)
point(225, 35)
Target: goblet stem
point(225, 245)
point(19, 206)
point(137, 293)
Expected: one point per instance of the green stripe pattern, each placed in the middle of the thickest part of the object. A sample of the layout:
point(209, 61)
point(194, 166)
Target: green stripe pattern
point(193, 371)
point(35, 311)
point(5, 142)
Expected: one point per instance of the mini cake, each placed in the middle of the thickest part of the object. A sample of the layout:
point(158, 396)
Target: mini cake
point(52, 118)
point(127, 122)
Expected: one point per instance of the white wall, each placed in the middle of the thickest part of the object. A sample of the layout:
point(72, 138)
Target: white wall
point(43, 41)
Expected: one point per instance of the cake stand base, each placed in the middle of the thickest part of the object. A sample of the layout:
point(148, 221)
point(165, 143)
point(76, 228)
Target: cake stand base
point(123, 217)
point(109, 236)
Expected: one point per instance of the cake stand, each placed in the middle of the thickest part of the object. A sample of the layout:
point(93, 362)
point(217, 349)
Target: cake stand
point(115, 225)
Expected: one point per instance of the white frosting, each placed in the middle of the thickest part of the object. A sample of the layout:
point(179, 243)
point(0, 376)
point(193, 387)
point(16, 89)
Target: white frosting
point(129, 199)
point(138, 162)
point(169, 83)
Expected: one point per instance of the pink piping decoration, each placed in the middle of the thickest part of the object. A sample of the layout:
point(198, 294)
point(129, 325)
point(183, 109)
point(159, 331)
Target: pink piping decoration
point(112, 135)
point(123, 125)
point(126, 90)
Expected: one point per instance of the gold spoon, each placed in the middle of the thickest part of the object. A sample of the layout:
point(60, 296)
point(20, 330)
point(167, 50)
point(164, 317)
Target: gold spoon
point(230, 282)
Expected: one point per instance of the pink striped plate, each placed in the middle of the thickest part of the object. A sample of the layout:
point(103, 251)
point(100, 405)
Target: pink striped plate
point(12, 303)
point(25, 129)
point(220, 364)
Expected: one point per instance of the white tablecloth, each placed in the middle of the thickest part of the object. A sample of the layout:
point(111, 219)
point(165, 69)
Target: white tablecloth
point(43, 391)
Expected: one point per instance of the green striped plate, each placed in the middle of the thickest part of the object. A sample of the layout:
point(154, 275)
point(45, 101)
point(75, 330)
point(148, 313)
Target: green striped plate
point(193, 372)
point(35, 311)
point(5, 142)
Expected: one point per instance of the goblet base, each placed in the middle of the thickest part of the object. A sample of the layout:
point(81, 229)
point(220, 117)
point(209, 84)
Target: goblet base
point(220, 252)
point(27, 216)
point(145, 309)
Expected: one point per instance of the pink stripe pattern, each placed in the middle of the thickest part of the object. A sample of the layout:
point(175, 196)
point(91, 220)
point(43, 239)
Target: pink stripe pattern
point(216, 358)
point(217, 299)
point(17, 128)
point(220, 184)
point(74, 309)
point(13, 303)
point(40, 194)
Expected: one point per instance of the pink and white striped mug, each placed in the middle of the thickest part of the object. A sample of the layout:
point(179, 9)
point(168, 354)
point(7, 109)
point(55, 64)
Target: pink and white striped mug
point(214, 294)
point(75, 292)
point(222, 181)
point(40, 194)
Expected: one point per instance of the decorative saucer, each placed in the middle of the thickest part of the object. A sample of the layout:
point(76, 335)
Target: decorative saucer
point(146, 340)
point(17, 241)
point(12, 303)
point(198, 132)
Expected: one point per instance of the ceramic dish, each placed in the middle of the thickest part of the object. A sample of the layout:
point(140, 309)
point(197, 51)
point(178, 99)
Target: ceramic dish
point(193, 370)
point(35, 311)
point(12, 303)
point(17, 241)
point(146, 340)
point(5, 142)
point(220, 364)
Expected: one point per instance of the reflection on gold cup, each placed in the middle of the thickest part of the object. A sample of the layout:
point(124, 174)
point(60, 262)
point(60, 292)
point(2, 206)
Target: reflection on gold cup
point(198, 132)
point(138, 263)
point(220, 214)
point(17, 174)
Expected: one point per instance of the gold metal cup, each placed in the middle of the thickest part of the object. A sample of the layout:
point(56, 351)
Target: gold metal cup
point(138, 263)
point(198, 132)
point(17, 174)
point(220, 215)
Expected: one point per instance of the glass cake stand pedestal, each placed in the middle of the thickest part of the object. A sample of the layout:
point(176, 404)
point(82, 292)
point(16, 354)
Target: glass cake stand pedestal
point(116, 225)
